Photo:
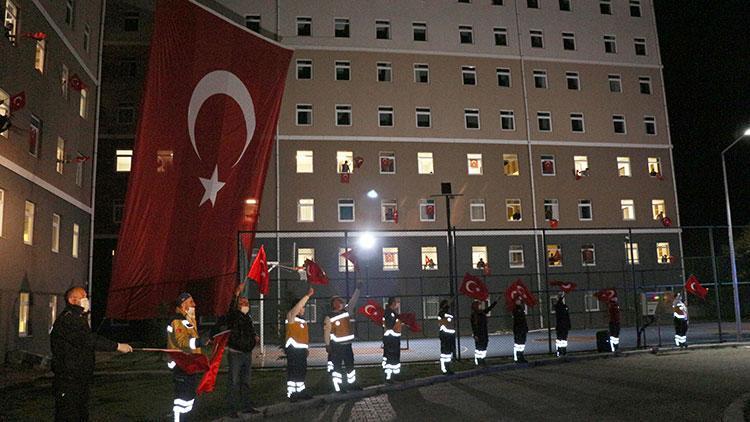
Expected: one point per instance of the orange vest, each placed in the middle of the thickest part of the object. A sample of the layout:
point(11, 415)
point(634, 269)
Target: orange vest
point(341, 330)
point(297, 334)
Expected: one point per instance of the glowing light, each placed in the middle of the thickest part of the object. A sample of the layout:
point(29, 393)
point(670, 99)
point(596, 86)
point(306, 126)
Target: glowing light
point(366, 240)
point(251, 201)
point(372, 194)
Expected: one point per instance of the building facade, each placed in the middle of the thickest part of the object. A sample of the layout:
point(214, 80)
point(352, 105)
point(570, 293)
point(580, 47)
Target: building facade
point(49, 86)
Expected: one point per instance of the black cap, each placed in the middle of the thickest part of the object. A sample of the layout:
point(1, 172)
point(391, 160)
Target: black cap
point(182, 297)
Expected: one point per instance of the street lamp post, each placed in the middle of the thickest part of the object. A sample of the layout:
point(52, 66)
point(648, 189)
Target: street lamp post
point(732, 258)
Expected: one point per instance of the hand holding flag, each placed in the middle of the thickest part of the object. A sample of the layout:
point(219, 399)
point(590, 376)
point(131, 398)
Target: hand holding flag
point(259, 271)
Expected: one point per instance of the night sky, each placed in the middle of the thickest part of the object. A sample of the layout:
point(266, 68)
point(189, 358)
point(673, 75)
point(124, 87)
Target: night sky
point(705, 50)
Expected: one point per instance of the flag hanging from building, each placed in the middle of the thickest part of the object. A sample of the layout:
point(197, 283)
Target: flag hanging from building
point(209, 114)
point(692, 285)
point(259, 271)
point(18, 101)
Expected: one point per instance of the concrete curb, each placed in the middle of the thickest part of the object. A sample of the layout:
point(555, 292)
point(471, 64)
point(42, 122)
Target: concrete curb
point(319, 401)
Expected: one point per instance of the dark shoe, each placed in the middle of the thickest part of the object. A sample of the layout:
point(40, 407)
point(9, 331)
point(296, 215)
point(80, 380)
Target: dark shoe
point(294, 398)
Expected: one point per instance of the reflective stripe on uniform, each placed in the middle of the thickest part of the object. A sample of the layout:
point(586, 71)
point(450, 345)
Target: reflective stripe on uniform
point(391, 333)
point(342, 339)
point(291, 342)
point(339, 316)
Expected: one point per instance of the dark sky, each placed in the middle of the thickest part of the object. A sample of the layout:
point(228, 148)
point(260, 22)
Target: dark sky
point(705, 50)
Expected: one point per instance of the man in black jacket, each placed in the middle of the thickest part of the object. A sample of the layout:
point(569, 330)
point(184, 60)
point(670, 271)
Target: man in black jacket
point(479, 328)
point(520, 329)
point(239, 350)
point(73, 345)
point(562, 325)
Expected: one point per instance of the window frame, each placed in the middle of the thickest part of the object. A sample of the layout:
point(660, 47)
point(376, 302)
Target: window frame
point(346, 203)
point(627, 206)
point(541, 117)
point(639, 46)
point(617, 79)
point(380, 24)
point(500, 36)
point(384, 72)
point(424, 205)
point(610, 44)
point(29, 217)
point(474, 157)
point(477, 203)
point(304, 26)
point(393, 250)
point(577, 118)
point(423, 111)
point(344, 31)
point(388, 156)
point(343, 111)
point(503, 73)
point(540, 78)
point(74, 250)
point(507, 116)
point(304, 161)
point(582, 204)
point(536, 37)
point(619, 119)
point(305, 205)
point(469, 75)
point(422, 160)
point(300, 66)
point(55, 240)
point(573, 76)
point(469, 115)
point(513, 206)
point(430, 252)
point(660, 256)
point(421, 69)
point(508, 160)
point(385, 205)
point(518, 250)
point(465, 34)
point(649, 125)
point(303, 110)
point(588, 247)
point(624, 167)
point(419, 28)
point(569, 41)
point(40, 56)
point(550, 158)
point(345, 66)
point(386, 111)
point(632, 247)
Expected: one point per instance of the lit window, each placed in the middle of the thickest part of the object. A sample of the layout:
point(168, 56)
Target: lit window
point(304, 114)
point(588, 255)
point(131, 22)
point(577, 123)
point(344, 264)
point(503, 77)
point(423, 117)
point(304, 161)
point(479, 254)
point(610, 44)
point(573, 81)
point(382, 29)
point(35, 134)
point(590, 303)
point(304, 26)
point(501, 36)
point(430, 307)
point(507, 120)
point(548, 165)
point(55, 233)
point(305, 254)
point(60, 156)
point(581, 165)
point(4, 109)
point(39, 56)
point(343, 70)
point(306, 210)
point(618, 124)
point(477, 210)
point(384, 72)
point(123, 160)
point(76, 234)
point(28, 223)
point(388, 211)
point(421, 73)
point(346, 210)
point(605, 7)
point(424, 163)
point(465, 34)
point(304, 69)
point(644, 84)
point(640, 46)
point(649, 125)
point(344, 161)
point(569, 41)
point(471, 118)
point(83, 104)
point(615, 83)
point(390, 259)
point(420, 31)
point(429, 258)
point(551, 209)
point(623, 166)
point(474, 163)
point(554, 255)
point(510, 165)
point(540, 79)
point(385, 116)
point(469, 75)
point(427, 210)
point(635, 8)
point(252, 22)
point(537, 39)
point(79, 169)
point(24, 314)
point(544, 121)
point(662, 252)
point(343, 115)
point(513, 209)
point(341, 28)
point(515, 256)
point(584, 210)
point(658, 209)
point(10, 22)
point(387, 162)
point(628, 209)
point(654, 167)
point(631, 253)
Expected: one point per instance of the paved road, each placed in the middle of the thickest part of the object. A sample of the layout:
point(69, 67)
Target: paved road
point(692, 385)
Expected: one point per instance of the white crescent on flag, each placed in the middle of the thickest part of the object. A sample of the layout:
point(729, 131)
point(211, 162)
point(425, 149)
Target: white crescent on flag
point(471, 289)
point(368, 310)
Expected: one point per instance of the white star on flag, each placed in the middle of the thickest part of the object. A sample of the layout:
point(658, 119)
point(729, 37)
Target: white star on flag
point(212, 187)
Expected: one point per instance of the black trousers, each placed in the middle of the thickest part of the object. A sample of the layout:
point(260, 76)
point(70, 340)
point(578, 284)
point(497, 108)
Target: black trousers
point(392, 350)
point(71, 400)
point(680, 326)
point(296, 364)
point(342, 356)
point(447, 343)
point(185, 384)
point(519, 335)
point(481, 342)
point(614, 329)
point(562, 333)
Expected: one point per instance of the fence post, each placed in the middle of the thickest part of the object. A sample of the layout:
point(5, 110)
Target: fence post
point(716, 277)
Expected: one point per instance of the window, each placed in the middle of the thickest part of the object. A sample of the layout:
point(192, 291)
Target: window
point(390, 259)
point(610, 44)
point(304, 26)
point(304, 161)
point(24, 314)
point(74, 246)
point(503, 77)
point(465, 34)
point(537, 38)
point(52, 309)
point(304, 69)
point(510, 165)
point(662, 252)
point(388, 211)
point(474, 164)
point(477, 210)
point(588, 255)
point(584, 210)
point(540, 79)
point(631, 253)
point(497, 2)
point(384, 72)
point(131, 22)
point(343, 70)
point(640, 46)
point(551, 209)
point(658, 209)
point(605, 7)
point(430, 258)
point(28, 223)
point(573, 81)
point(590, 303)
point(628, 209)
point(430, 307)
point(649, 125)
point(565, 5)
point(544, 121)
point(615, 83)
point(618, 124)
point(252, 22)
point(345, 264)
point(427, 210)
point(478, 253)
point(341, 28)
point(420, 31)
point(304, 114)
point(383, 30)
point(554, 255)
point(513, 209)
point(83, 104)
point(346, 210)
point(125, 114)
point(35, 134)
point(515, 256)
point(305, 254)
point(344, 160)
point(623, 166)
point(64, 74)
point(654, 167)
point(507, 120)
point(469, 75)
point(532, 4)
point(60, 155)
point(305, 210)
point(70, 12)
point(569, 41)
point(123, 160)
point(387, 162)
point(311, 311)
point(548, 165)
point(11, 21)
point(118, 210)
point(577, 123)
point(385, 116)
point(421, 73)
point(86, 37)
point(635, 8)
point(4, 109)
point(79, 168)
point(471, 118)
point(41, 50)
point(55, 233)
point(343, 115)
point(424, 163)
point(501, 36)
point(423, 117)
point(644, 84)
point(2, 210)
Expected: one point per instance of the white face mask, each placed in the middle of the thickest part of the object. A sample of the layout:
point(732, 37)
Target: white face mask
point(84, 303)
point(191, 312)
point(244, 309)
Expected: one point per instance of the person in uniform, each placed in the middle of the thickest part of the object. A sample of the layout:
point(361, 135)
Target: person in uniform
point(239, 351)
point(392, 339)
point(447, 337)
point(562, 325)
point(479, 329)
point(73, 346)
point(520, 329)
point(680, 321)
point(338, 337)
point(297, 349)
point(182, 334)
point(614, 324)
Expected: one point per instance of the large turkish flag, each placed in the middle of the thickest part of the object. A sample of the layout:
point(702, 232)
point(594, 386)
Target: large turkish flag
point(205, 136)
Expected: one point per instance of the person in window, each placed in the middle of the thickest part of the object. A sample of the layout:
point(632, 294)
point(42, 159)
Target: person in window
point(479, 328)
point(520, 330)
point(562, 325)
point(447, 337)
point(481, 264)
point(428, 263)
point(4, 123)
point(517, 216)
point(389, 214)
point(345, 167)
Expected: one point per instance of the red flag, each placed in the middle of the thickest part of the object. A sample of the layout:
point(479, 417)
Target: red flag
point(606, 295)
point(358, 161)
point(35, 35)
point(666, 222)
point(344, 177)
point(209, 378)
point(486, 269)
point(553, 222)
point(372, 310)
point(692, 285)
point(518, 289)
point(315, 274)
point(209, 112)
point(76, 83)
point(18, 101)
point(259, 271)
point(567, 287)
point(395, 216)
point(351, 257)
point(410, 320)
point(474, 287)
point(190, 363)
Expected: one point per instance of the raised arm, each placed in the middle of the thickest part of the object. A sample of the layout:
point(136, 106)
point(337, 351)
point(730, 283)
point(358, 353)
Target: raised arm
point(301, 304)
point(355, 297)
